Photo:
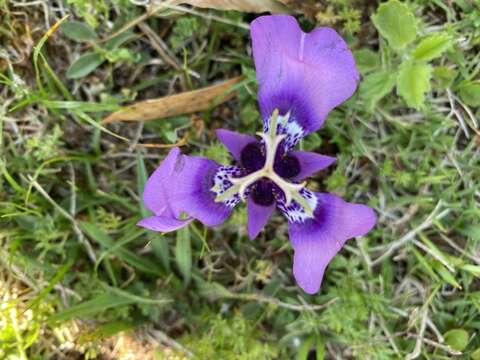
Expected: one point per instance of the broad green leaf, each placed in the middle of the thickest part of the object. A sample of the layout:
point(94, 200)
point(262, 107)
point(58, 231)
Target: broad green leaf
point(444, 76)
point(84, 65)
point(469, 92)
point(413, 82)
point(183, 253)
point(366, 60)
point(396, 23)
point(476, 354)
point(78, 31)
point(457, 339)
point(432, 47)
point(375, 86)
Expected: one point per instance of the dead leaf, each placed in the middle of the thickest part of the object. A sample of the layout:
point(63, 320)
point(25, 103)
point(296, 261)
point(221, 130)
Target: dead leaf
point(178, 104)
point(257, 6)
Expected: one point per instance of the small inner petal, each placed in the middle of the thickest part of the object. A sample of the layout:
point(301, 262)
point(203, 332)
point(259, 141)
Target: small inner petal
point(262, 192)
point(287, 166)
point(252, 157)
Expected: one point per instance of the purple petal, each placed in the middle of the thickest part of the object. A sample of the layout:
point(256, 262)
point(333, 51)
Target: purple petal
point(182, 184)
point(163, 223)
point(234, 142)
point(157, 187)
point(304, 74)
point(258, 216)
point(310, 163)
point(190, 190)
point(316, 241)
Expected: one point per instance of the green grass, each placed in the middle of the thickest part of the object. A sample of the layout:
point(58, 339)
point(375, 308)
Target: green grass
point(75, 271)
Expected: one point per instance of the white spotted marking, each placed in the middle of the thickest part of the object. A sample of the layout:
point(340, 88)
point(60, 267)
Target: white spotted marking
point(295, 212)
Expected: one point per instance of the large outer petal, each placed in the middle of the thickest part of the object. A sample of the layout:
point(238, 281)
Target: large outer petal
point(190, 190)
point(316, 241)
point(158, 185)
point(306, 74)
point(182, 184)
point(163, 223)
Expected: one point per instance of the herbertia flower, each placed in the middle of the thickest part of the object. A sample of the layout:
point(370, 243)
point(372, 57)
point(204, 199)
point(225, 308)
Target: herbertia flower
point(301, 77)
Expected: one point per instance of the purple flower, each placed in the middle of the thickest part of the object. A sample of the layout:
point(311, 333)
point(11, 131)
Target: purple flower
point(301, 78)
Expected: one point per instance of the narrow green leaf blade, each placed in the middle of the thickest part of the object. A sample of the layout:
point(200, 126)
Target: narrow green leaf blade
point(140, 263)
point(160, 249)
point(183, 253)
point(90, 307)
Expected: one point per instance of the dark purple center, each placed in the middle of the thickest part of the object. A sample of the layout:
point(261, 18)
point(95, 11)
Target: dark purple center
point(253, 157)
point(287, 166)
point(262, 192)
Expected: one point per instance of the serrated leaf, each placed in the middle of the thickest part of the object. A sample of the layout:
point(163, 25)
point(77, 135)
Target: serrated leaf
point(432, 47)
point(413, 82)
point(84, 65)
point(469, 92)
point(457, 339)
point(396, 23)
point(375, 86)
point(183, 253)
point(366, 60)
point(78, 31)
point(444, 76)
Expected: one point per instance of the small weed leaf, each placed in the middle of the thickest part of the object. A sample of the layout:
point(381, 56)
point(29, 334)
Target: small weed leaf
point(413, 82)
point(375, 86)
point(84, 65)
point(367, 60)
point(78, 31)
point(469, 92)
point(432, 47)
point(396, 23)
point(444, 76)
point(457, 339)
